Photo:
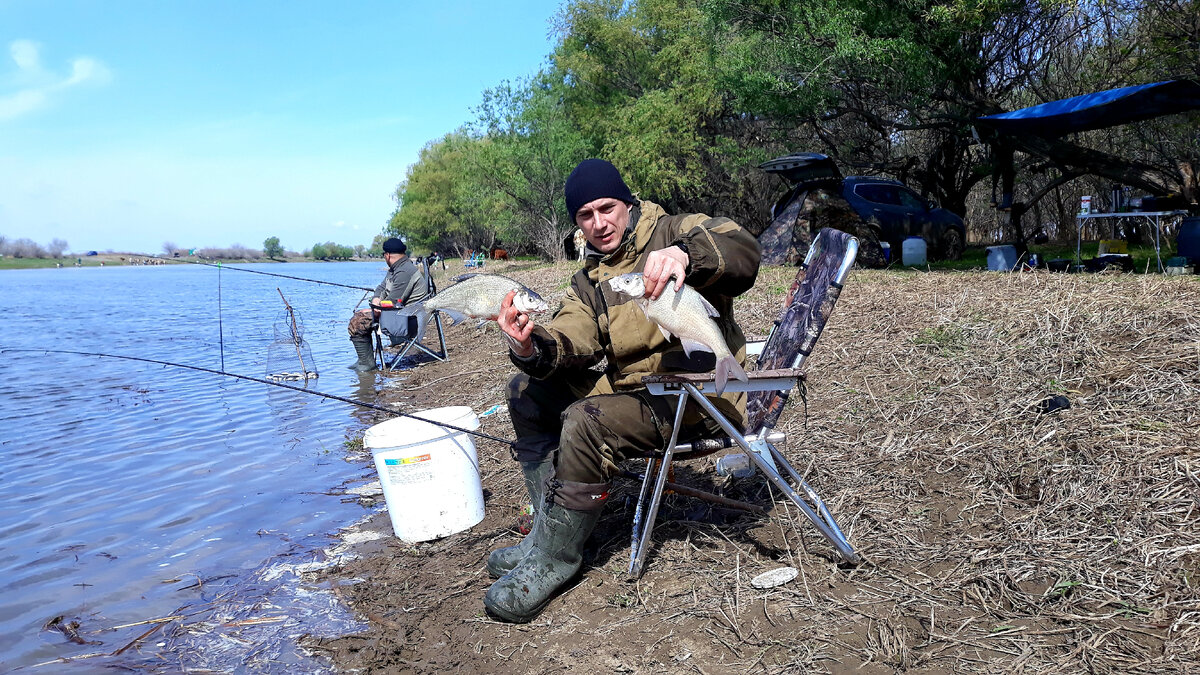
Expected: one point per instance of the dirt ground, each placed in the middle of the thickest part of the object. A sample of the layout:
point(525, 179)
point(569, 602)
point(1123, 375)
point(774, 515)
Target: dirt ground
point(996, 536)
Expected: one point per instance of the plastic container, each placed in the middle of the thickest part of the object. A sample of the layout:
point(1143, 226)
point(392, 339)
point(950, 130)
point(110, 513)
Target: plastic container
point(913, 251)
point(429, 474)
point(1188, 241)
point(735, 464)
point(1001, 258)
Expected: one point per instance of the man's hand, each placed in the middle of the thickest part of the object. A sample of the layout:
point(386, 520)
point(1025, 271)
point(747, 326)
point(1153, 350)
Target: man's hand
point(661, 265)
point(517, 325)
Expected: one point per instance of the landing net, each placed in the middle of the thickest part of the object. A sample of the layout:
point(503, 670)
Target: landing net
point(289, 358)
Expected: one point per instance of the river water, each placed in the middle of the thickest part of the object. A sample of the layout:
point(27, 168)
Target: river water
point(135, 491)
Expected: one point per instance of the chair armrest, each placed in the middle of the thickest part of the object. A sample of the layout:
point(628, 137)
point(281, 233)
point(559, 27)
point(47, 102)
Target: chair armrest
point(760, 380)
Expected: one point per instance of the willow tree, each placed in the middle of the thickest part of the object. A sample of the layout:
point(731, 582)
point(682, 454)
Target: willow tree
point(528, 146)
point(644, 87)
point(442, 205)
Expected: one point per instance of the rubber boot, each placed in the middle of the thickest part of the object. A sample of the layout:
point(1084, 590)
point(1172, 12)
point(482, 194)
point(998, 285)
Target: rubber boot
point(556, 556)
point(366, 354)
point(502, 560)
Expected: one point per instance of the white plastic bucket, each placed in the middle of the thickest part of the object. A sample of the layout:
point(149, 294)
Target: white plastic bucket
point(430, 474)
point(913, 251)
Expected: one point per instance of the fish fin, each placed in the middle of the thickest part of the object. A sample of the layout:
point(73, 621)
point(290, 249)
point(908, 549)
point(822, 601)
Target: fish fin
point(463, 277)
point(708, 307)
point(665, 333)
point(454, 315)
point(690, 346)
point(726, 367)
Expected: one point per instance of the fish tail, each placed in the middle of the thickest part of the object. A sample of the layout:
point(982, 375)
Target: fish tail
point(726, 367)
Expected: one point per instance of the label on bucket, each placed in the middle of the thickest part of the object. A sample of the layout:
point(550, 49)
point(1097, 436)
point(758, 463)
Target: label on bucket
point(408, 469)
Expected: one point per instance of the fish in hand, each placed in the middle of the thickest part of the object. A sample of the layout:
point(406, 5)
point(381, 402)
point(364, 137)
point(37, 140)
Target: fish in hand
point(687, 315)
point(478, 296)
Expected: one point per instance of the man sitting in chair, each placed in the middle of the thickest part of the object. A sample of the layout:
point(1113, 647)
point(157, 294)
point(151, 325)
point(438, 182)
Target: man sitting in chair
point(574, 424)
point(403, 284)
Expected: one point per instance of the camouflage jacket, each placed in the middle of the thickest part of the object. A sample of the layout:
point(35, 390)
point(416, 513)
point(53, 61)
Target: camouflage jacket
point(596, 322)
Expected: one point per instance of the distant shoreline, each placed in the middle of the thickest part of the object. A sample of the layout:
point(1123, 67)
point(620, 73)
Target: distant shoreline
point(134, 260)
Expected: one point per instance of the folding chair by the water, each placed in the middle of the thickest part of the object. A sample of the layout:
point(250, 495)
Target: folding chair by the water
point(405, 327)
point(476, 260)
point(806, 309)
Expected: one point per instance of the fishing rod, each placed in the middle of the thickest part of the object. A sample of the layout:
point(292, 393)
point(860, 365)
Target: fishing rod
point(248, 378)
point(269, 274)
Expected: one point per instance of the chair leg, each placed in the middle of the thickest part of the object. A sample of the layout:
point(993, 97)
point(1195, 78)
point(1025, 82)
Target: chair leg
point(641, 537)
point(759, 453)
point(813, 497)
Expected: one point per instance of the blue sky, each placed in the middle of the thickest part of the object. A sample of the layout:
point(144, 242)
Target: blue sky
point(125, 124)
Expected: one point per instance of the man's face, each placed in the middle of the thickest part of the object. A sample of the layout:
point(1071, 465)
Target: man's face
point(603, 222)
point(391, 258)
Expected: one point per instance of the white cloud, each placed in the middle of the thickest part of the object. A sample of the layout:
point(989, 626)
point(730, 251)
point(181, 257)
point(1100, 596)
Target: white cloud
point(341, 223)
point(25, 54)
point(33, 87)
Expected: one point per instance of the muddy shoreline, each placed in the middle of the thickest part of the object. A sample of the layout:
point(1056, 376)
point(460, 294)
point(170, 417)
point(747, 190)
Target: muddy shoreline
point(995, 536)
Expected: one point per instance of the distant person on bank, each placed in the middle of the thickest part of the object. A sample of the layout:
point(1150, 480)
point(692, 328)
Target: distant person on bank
point(403, 284)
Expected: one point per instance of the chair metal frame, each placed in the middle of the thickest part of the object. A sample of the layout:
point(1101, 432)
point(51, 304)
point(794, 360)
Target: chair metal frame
point(387, 361)
point(760, 444)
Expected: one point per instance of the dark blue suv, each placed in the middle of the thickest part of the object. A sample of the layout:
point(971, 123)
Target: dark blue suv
point(887, 204)
point(902, 213)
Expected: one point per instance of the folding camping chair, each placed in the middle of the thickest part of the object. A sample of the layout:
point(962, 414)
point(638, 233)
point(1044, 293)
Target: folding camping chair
point(806, 309)
point(404, 327)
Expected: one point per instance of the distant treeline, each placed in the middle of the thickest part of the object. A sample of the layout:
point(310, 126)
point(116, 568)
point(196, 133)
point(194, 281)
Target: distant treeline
point(273, 250)
point(27, 248)
point(687, 97)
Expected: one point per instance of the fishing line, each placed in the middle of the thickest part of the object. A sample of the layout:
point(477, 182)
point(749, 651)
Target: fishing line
point(248, 378)
point(270, 274)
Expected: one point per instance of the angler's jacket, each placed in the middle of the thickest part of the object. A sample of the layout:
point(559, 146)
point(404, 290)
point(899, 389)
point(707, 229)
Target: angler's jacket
point(402, 277)
point(597, 322)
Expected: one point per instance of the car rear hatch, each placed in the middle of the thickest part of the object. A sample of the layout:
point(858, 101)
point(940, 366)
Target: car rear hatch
point(804, 168)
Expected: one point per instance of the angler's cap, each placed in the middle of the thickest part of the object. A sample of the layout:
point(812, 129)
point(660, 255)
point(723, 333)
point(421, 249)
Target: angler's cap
point(591, 180)
point(394, 245)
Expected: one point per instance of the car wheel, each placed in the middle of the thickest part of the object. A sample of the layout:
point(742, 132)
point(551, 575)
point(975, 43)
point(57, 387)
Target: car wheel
point(952, 245)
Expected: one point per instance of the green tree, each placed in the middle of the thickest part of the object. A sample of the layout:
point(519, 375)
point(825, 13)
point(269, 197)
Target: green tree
point(319, 252)
point(271, 248)
point(376, 249)
point(531, 148)
point(646, 90)
point(442, 205)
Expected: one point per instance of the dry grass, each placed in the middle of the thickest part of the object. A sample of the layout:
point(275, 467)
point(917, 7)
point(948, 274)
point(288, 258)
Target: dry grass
point(996, 537)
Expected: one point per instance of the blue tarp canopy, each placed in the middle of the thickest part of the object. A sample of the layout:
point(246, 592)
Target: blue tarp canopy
point(1099, 110)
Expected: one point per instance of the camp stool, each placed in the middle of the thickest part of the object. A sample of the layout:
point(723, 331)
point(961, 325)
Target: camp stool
point(806, 309)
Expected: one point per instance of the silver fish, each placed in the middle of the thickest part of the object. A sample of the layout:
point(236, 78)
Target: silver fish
point(688, 316)
point(478, 296)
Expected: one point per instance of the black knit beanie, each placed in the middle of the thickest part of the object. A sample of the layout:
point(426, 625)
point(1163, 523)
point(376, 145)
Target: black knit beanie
point(591, 180)
point(394, 245)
